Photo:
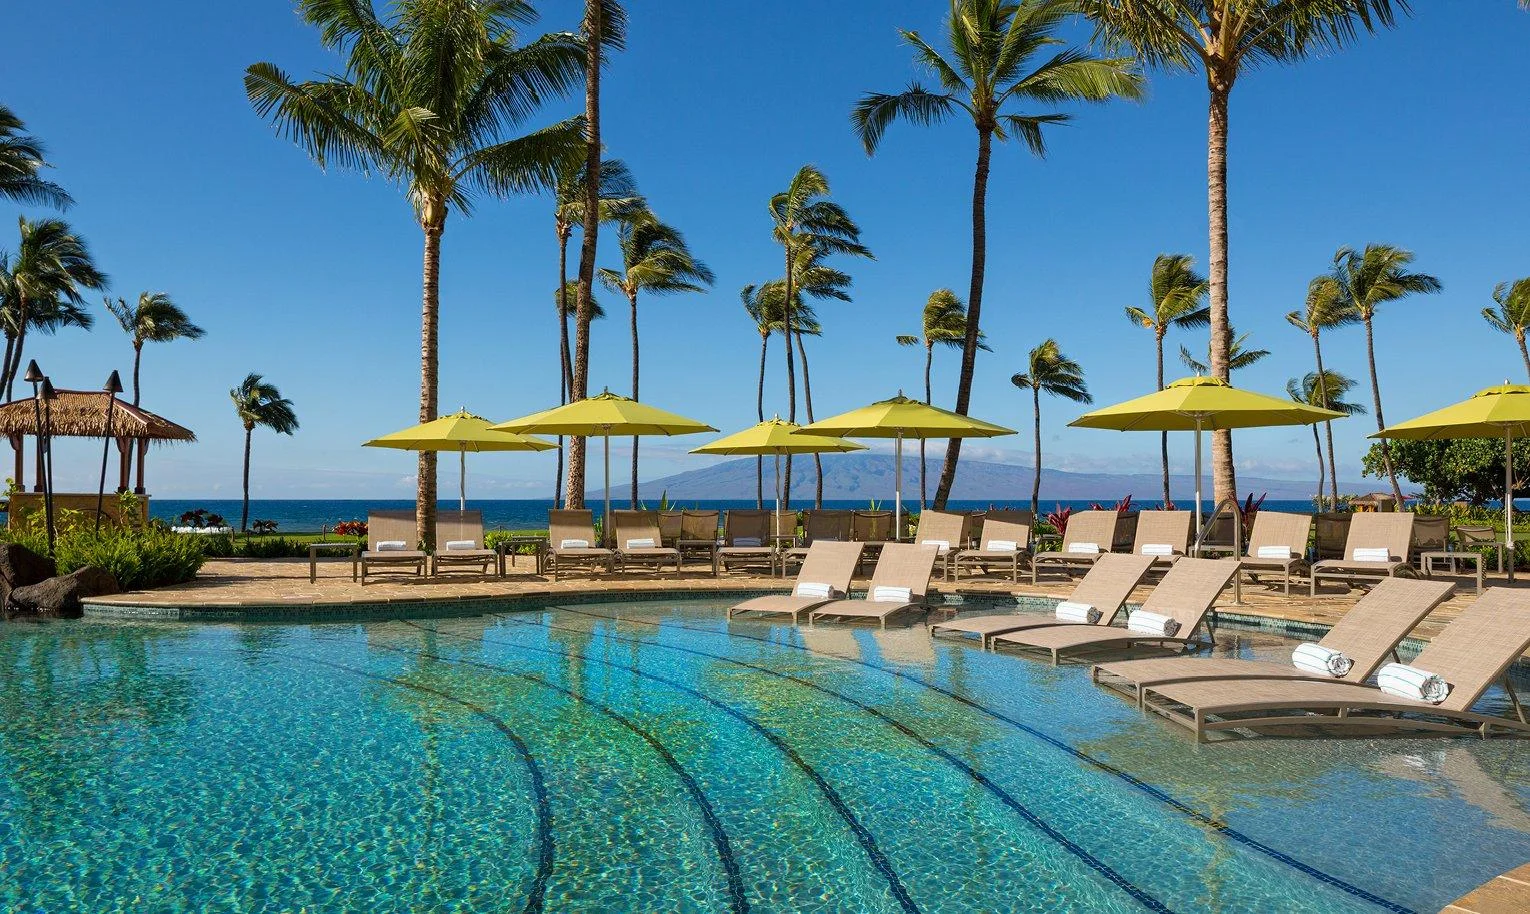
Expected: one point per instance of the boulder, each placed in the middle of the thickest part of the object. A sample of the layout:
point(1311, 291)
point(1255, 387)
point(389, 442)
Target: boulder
point(21, 567)
point(59, 598)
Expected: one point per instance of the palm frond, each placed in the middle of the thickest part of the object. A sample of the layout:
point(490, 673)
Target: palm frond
point(876, 111)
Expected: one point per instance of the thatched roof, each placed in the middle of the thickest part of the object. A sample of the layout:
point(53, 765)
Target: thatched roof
point(82, 414)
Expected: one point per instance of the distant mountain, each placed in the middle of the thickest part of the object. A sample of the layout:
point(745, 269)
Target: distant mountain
point(868, 476)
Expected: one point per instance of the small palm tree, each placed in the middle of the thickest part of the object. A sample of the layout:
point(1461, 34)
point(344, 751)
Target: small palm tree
point(154, 319)
point(1368, 279)
point(51, 269)
point(1176, 298)
point(1238, 356)
point(656, 260)
point(258, 402)
point(22, 159)
point(1512, 316)
point(1325, 309)
point(765, 306)
point(1325, 390)
point(993, 68)
point(1052, 373)
point(944, 324)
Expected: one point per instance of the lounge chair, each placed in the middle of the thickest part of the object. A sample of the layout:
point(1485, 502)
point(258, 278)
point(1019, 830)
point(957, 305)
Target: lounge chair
point(1003, 545)
point(1164, 535)
point(390, 542)
point(899, 583)
point(459, 543)
point(638, 541)
point(1332, 531)
point(1470, 537)
point(1005, 516)
point(825, 576)
point(1376, 548)
point(1087, 536)
point(1277, 545)
point(1470, 655)
point(746, 541)
point(698, 534)
point(1431, 533)
point(670, 523)
point(1105, 588)
point(1185, 596)
point(1367, 635)
point(818, 526)
point(872, 529)
point(943, 530)
point(571, 542)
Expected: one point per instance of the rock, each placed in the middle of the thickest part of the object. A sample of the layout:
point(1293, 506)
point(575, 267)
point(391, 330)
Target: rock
point(21, 567)
point(59, 598)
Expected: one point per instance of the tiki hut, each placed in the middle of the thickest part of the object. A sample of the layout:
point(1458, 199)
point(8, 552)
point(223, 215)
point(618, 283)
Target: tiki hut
point(83, 414)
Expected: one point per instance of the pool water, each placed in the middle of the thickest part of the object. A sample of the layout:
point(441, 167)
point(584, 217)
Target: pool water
point(654, 757)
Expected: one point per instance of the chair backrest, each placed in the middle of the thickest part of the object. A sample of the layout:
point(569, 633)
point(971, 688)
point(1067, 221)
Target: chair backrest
point(783, 523)
point(1007, 516)
point(1332, 534)
point(1469, 536)
point(1473, 651)
point(1098, 527)
point(698, 525)
point(1008, 531)
point(1375, 529)
point(825, 526)
point(1188, 591)
point(671, 525)
point(635, 525)
point(1276, 529)
point(1220, 530)
point(1431, 533)
point(459, 527)
point(1110, 581)
point(570, 524)
point(831, 563)
point(1163, 528)
point(1368, 632)
point(871, 526)
point(940, 527)
point(1125, 537)
point(751, 524)
point(972, 522)
point(391, 526)
point(905, 565)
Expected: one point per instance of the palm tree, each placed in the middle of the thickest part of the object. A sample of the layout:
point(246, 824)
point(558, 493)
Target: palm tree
point(1237, 356)
point(1176, 298)
point(1222, 39)
point(1053, 373)
point(944, 324)
point(1325, 309)
point(993, 69)
point(564, 299)
point(50, 271)
point(1512, 316)
point(22, 159)
point(656, 260)
point(765, 307)
point(1325, 390)
point(258, 402)
point(427, 98)
point(1368, 279)
point(818, 281)
point(155, 319)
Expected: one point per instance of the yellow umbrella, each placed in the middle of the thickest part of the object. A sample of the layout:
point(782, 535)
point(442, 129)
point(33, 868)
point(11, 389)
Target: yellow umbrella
point(461, 432)
point(775, 437)
point(603, 416)
point(901, 418)
point(1491, 412)
point(1199, 404)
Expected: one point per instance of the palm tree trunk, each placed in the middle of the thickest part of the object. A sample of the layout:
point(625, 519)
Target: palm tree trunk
point(1224, 477)
point(1163, 437)
point(430, 322)
point(594, 26)
point(632, 301)
point(929, 359)
point(1036, 477)
point(15, 368)
point(244, 514)
point(565, 358)
point(791, 375)
point(1333, 469)
point(1386, 451)
point(1524, 353)
point(137, 358)
point(759, 408)
point(5, 366)
point(974, 308)
point(807, 399)
point(1318, 443)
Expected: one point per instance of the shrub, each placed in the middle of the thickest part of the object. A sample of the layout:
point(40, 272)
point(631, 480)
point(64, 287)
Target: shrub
point(263, 527)
point(139, 559)
point(278, 548)
point(217, 545)
point(356, 528)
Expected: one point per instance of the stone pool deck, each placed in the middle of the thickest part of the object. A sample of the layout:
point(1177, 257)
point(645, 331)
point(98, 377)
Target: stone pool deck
point(1507, 894)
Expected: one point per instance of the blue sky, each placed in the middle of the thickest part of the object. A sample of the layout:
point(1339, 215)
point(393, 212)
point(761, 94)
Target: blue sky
point(1415, 137)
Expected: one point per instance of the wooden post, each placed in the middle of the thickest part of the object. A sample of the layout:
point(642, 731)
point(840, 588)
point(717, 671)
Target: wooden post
point(122, 464)
point(19, 447)
point(143, 451)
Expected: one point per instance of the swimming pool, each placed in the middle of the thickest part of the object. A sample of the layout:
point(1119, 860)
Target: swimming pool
point(654, 757)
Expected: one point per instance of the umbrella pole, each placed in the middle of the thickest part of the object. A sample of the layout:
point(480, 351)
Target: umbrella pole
point(1199, 529)
point(462, 479)
point(605, 519)
point(777, 524)
point(1508, 497)
point(898, 489)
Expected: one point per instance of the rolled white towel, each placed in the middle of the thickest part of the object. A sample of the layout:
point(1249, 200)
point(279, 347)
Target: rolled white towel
point(884, 594)
point(646, 542)
point(573, 544)
point(1273, 552)
point(1069, 611)
point(1002, 546)
point(1084, 548)
point(1366, 554)
point(747, 541)
point(813, 589)
point(460, 545)
point(1153, 624)
point(392, 546)
point(1157, 549)
point(1325, 661)
point(1411, 682)
point(943, 546)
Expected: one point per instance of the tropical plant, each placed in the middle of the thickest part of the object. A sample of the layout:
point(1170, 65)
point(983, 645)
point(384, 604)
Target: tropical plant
point(1368, 279)
point(1057, 519)
point(656, 260)
point(1325, 309)
point(1237, 356)
point(1176, 298)
point(1325, 390)
point(818, 281)
point(43, 287)
point(427, 98)
point(765, 306)
point(993, 68)
point(1049, 372)
point(257, 402)
point(1222, 39)
point(944, 324)
point(1465, 469)
point(154, 319)
point(1512, 316)
point(22, 160)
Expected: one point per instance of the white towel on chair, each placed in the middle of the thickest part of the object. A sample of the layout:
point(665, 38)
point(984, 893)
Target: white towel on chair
point(460, 545)
point(943, 546)
point(1325, 661)
point(1411, 682)
point(1361, 554)
point(392, 546)
point(1069, 611)
point(1157, 549)
point(884, 594)
point(813, 589)
point(1153, 624)
point(1273, 552)
point(573, 544)
point(1084, 548)
point(645, 542)
point(1003, 546)
point(746, 541)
